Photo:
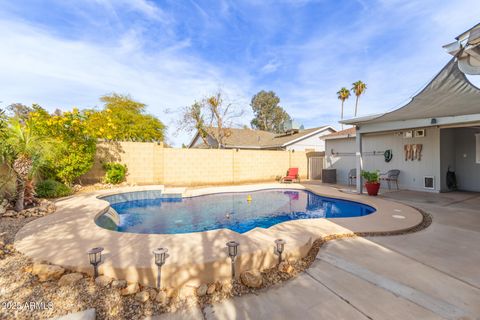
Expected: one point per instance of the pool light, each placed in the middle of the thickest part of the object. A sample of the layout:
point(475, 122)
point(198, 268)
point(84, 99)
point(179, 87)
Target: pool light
point(279, 247)
point(95, 257)
point(232, 247)
point(160, 257)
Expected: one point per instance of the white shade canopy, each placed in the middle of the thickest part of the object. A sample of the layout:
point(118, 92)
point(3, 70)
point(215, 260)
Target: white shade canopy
point(449, 94)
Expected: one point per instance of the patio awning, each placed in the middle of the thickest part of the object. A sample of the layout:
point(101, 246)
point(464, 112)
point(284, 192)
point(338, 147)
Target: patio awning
point(450, 93)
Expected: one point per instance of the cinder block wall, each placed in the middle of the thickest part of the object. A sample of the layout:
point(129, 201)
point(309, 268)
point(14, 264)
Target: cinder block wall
point(143, 161)
point(7, 181)
point(151, 163)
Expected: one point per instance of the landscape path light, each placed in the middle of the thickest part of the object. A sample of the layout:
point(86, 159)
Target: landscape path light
point(160, 257)
point(95, 257)
point(232, 247)
point(280, 247)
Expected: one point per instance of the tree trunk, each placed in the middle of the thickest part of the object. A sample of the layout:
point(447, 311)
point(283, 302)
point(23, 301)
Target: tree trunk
point(19, 204)
point(356, 104)
point(342, 114)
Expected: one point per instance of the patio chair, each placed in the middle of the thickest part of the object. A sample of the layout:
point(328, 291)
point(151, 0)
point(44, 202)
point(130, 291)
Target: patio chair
point(352, 177)
point(390, 176)
point(292, 176)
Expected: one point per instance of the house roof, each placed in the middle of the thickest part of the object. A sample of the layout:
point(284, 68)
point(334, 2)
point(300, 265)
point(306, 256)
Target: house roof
point(259, 139)
point(248, 137)
point(342, 134)
point(287, 139)
point(449, 94)
point(477, 26)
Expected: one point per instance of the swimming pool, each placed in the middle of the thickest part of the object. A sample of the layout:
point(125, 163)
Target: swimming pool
point(239, 211)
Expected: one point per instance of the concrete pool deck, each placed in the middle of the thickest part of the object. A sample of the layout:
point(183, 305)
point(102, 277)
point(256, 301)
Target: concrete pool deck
point(430, 274)
point(64, 237)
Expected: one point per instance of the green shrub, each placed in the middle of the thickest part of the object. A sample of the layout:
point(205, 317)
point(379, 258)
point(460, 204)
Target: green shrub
point(115, 172)
point(52, 189)
point(371, 176)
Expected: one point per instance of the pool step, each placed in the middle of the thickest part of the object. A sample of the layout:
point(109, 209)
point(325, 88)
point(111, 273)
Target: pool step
point(174, 192)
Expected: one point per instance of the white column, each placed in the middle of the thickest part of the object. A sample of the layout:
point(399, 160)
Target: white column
point(359, 161)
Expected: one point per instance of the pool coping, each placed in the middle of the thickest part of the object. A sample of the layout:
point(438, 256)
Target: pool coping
point(64, 237)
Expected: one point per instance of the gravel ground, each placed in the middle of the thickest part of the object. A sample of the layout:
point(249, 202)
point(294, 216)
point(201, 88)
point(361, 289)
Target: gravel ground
point(19, 288)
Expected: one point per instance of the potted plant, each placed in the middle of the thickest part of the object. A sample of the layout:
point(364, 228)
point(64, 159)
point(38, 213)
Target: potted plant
point(372, 182)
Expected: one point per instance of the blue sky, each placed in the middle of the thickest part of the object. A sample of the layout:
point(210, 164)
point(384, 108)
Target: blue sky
point(167, 54)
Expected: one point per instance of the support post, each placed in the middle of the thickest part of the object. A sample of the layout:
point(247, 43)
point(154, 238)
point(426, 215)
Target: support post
point(359, 161)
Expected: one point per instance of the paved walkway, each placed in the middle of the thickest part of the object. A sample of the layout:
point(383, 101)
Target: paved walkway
point(432, 274)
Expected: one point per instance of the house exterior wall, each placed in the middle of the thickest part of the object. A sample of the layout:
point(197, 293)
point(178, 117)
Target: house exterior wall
point(447, 155)
point(151, 163)
point(344, 161)
point(411, 172)
point(466, 168)
point(313, 143)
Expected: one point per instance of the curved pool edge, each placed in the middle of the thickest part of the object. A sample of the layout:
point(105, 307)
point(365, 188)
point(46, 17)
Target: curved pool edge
point(110, 219)
point(64, 237)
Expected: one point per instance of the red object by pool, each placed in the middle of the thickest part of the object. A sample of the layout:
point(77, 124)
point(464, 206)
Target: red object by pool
point(292, 175)
point(372, 188)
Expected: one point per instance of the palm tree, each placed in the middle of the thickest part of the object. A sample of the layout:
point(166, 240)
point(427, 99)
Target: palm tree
point(24, 150)
point(343, 94)
point(359, 88)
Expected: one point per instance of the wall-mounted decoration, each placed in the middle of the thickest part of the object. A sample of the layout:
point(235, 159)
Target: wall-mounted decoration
point(420, 133)
point(388, 154)
point(413, 152)
point(408, 134)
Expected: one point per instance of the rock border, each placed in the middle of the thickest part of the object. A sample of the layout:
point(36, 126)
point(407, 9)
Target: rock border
point(172, 300)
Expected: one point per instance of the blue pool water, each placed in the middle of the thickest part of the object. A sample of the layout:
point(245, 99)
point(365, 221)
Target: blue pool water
point(228, 210)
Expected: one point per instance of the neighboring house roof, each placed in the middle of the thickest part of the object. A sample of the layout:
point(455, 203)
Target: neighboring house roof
point(285, 139)
point(449, 94)
point(258, 139)
point(477, 26)
point(342, 134)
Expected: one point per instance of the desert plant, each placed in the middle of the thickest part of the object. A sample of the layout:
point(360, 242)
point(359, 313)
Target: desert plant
point(115, 172)
point(29, 195)
point(371, 176)
point(24, 151)
point(52, 189)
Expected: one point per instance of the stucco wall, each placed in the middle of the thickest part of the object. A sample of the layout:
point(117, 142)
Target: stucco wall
point(313, 143)
point(344, 161)
point(411, 172)
point(149, 163)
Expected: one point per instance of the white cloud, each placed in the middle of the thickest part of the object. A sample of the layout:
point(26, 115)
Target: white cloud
point(352, 52)
point(394, 46)
point(145, 7)
point(270, 67)
point(57, 73)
